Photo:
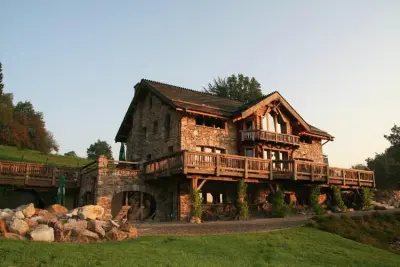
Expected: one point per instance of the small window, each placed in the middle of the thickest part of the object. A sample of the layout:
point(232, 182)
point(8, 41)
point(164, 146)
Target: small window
point(199, 120)
point(305, 139)
point(150, 102)
point(155, 127)
point(209, 122)
point(148, 157)
point(198, 149)
point(249, 153)
point(170, 149)
point(219, 124)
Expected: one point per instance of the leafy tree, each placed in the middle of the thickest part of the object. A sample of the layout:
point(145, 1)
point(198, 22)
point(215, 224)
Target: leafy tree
point(236, 87)
point(99, 148)
point(71, 154)
point(386, 165)
point(360, 167)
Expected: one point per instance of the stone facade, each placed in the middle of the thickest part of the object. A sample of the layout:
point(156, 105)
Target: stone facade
point(310, 152)
point(195, 135)
point(148, 136)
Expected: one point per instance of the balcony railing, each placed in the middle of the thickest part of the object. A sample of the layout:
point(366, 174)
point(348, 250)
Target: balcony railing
point(255, 135)
point(223, 165)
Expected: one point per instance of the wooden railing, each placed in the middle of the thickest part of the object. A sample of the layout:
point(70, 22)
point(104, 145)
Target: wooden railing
point(254, 135)
point(211, 164)
point(33, 174)
point(123, 168)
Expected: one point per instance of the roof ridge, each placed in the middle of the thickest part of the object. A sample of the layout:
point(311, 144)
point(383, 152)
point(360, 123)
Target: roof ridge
point(192, 90)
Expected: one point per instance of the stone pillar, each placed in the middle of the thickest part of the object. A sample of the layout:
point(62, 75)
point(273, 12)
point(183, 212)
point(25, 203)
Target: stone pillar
point(101, 196)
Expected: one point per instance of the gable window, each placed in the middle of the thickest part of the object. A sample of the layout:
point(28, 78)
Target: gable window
point(167, 126)
point(155, 127)
point(210, 122)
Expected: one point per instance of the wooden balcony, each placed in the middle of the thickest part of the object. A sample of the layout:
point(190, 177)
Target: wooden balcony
point(257, 169)
point(260, 135)
point(37, 175)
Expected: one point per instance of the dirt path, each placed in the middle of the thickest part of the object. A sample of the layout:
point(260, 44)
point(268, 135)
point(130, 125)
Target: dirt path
point(232, 227)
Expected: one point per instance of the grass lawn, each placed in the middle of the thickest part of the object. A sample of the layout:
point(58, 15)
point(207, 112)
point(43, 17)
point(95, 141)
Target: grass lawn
point(9, 153)
point(376, 229)
point(293, 247)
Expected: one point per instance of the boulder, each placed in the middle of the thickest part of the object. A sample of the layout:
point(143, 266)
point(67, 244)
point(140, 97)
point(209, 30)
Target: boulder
point(6, 214)
point(40, 212)
point(97, 227)
point(12, 236)
point(28, 210)
point(132, 233)
point(47, 219)
point(31, 222)
point(56, 208)
point(3, 228)
point(76, 225)
point(19, 215)
point(90, 235)
point(43, 233)
point(116, 235)
point(18, 226)
point(74, 212)
point(91, 212)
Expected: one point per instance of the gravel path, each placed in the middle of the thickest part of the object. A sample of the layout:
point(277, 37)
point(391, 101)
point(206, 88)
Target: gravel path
point(232, 227)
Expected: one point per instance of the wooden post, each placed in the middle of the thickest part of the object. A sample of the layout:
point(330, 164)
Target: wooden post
point(327, 174)
point(294, 170)
point(359, 178)
point(245, 168)
point(184, 159)
point(271, 170)
point(27, 174)
point(312, 173)
point(218, 168)
point(344, 177)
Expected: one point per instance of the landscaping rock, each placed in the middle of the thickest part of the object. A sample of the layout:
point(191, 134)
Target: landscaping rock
point(56, 208)
point(76, 225)
point(18, 226)
point(28, 210)
point(6, 214)
point(74, 212)
point(43, 233)
point(47, 219)
point(115, 235)
point(13, 236)
point(19, 215)
point(97, 227)
point(3, 228)
point(31, 223)
point(92, 236)
point(91, 212)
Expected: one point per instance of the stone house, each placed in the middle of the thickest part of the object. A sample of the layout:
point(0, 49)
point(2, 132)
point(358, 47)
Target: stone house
point(186, 139)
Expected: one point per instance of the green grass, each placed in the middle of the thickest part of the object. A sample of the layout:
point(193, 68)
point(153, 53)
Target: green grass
point(293, 247)
point(375, 229)
point(9, 153)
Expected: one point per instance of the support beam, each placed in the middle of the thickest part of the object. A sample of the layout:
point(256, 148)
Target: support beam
point(201, 184)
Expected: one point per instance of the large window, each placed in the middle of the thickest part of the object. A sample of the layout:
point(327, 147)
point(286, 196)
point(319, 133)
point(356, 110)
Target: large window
point(273, 122)
point(210, 122)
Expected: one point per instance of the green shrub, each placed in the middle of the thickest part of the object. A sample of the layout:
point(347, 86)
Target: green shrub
point(337, 198)
point(197, 201)
point(279, 208)
point(367, 196)
point(243, 206)
point(314, 200)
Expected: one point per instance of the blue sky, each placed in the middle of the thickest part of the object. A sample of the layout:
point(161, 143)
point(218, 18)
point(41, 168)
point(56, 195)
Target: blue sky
point(336, 62)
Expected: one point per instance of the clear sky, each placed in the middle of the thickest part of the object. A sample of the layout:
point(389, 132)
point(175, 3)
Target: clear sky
point(336, 62)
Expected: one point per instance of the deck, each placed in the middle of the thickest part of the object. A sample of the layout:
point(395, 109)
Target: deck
point(232, 167)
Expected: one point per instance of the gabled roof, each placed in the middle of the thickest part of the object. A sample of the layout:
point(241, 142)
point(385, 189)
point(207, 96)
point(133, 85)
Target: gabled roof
point(188, 100)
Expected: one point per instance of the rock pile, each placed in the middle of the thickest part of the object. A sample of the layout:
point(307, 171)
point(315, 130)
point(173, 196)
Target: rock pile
point(58, 224)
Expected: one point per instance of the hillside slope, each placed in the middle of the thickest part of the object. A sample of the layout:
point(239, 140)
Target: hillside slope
point(8, 153)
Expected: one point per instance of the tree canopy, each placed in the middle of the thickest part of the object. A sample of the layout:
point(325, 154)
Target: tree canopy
point(71, 154)
point(387, 164)
point(22, 126)
point(236, 87)
point(99, 148)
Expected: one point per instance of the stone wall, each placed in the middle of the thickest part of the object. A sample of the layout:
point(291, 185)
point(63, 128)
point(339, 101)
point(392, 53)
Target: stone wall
point(154, 143)
point(111, 182)
point(195, 135)
point(310, 152)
